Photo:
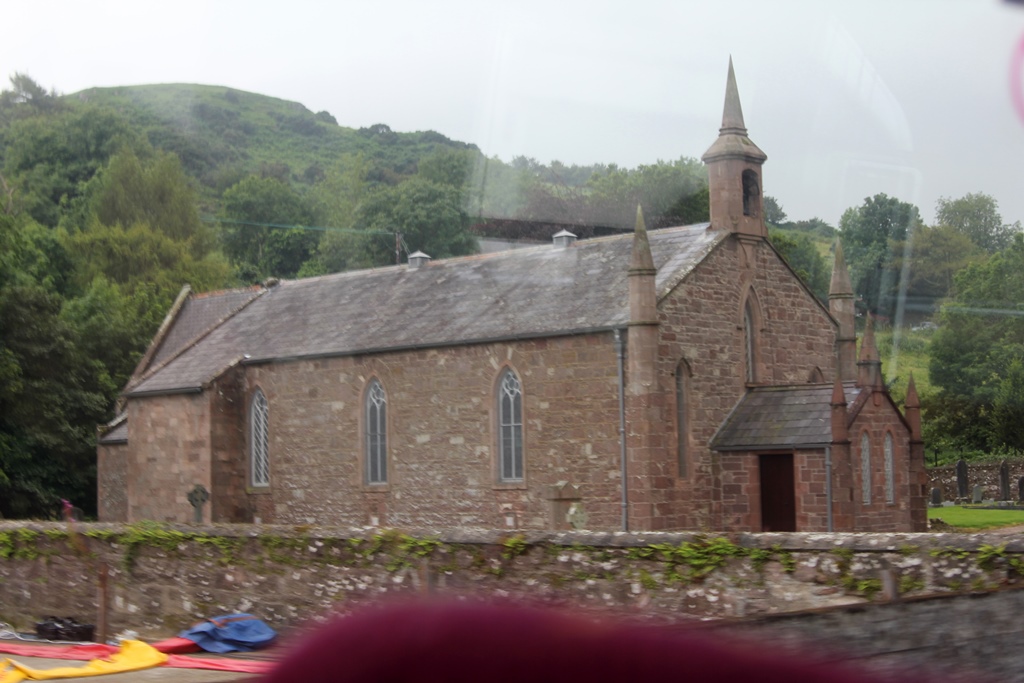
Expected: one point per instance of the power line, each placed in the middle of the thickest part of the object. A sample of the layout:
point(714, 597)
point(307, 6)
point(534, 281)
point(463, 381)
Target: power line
point(319, 228)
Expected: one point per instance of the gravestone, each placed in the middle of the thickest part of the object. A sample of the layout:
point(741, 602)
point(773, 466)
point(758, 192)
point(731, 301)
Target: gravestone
point(1004, 481)
point(577, 516)
point(979, 493)
point(961, 478)
point(1020, 489)
point(936, 496)
point(197, 497)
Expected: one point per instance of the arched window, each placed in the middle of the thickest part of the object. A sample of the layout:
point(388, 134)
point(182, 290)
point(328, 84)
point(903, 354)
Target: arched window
point(865, 468)
point(751, 326)
point(890, 471)
point(751, 194)
point(682, 419)
point(259, 441)
point(376, 434)
point(510, 427)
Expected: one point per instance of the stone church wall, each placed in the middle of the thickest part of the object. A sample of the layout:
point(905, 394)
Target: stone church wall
point(441, 435)
point(702, 323)
point(112, 482)
point(229, 472)
point(168, 453)
point(881, 515)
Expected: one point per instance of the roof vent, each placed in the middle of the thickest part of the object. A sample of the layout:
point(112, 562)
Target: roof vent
point(564, 239)
point(418, 259)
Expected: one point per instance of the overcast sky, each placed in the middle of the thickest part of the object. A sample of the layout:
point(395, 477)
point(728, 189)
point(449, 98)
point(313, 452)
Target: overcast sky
point(914, 98)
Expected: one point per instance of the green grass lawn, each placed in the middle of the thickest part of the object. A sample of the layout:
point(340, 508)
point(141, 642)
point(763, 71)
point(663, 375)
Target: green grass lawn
point(974, 519)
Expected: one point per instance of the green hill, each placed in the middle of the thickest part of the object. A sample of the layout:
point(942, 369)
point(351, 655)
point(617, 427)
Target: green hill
point(222, 134)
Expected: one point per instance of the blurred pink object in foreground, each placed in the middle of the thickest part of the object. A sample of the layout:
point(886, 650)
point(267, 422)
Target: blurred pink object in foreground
point(454, 642)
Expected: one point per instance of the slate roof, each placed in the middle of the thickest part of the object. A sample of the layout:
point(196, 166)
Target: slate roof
point(786, 417)
point(535, 292)
point(116, 431)
point(199, 313)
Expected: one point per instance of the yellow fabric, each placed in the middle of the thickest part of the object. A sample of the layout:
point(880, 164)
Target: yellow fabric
point(134, 655)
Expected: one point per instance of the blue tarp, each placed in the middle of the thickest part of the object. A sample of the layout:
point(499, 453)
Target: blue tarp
point(230, 633)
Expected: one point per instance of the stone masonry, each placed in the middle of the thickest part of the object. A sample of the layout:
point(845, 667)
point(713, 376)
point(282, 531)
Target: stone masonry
point(898, 599)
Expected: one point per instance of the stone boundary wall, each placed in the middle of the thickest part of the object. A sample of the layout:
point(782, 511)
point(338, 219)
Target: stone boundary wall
point(953, 637)
point(986, 474)
point(162, 578)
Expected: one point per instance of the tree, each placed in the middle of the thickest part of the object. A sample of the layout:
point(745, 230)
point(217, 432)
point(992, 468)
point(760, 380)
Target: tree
point(52, 394)
point(976, 352)
point(803, 257)
point(115, 326)
point(1007, 408)
point(429, 216)
point(335, 201)
point(26, 98)
point(666, 191)
point(51, 400)
point(251, 207)
point(976, 216)
point(773, 212)
point(870, 233)
point(139, 256)
point(156, 192)
point(815, 226)
point(935, 256)
point(49, 159)
point(448, 167)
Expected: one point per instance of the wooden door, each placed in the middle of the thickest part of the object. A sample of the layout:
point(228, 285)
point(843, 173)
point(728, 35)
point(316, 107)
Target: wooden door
point(778, 493)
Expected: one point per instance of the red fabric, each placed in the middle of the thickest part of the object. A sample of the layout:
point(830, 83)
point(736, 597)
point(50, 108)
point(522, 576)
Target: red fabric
point(176, 646)
point(80, 652)
point(99, 651)
point(242, 666)
point(460, 643)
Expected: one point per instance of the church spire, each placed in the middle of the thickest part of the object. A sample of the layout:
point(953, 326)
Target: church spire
point(643, 300)
point(869, 366)
point(734, 171)
point(641, 259)
point(732, 114)
point(840, 430)
point(840, 274)
point(841, 306)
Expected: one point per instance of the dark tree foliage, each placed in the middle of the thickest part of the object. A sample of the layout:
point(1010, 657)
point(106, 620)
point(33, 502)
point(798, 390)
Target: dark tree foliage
point(253, 205)
point(803, 257)
point(870, 234)
point(976, 216)
point(49, 158)
point(814, 226)
point(26, 98)
point(326, 117)
point(153, 191)
point(932, 259)
point(52, 393)
point(671, 193)
point(773, 212)
point(52, 398)
point(976, 355)
point(429, 216)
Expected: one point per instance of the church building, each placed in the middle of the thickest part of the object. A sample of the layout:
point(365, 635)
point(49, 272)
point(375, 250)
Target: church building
point(682, 378)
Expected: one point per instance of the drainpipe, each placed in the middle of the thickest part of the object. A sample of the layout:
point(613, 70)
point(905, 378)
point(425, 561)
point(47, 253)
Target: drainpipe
point(828, 485)
point(620, 350)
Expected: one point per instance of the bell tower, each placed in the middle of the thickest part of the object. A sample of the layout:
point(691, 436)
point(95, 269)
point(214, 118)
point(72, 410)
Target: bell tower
point(734, 172)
